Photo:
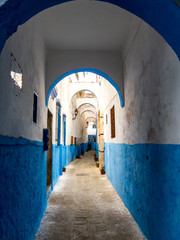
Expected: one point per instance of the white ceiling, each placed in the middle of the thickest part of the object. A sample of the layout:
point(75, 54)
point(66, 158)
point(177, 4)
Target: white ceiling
point(87, 25)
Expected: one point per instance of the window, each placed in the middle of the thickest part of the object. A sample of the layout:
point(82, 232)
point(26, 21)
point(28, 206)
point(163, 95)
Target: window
point(112, 111)
point(35, 100)
point(16, 72)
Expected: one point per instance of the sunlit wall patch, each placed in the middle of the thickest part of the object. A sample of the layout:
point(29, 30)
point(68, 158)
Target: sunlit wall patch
point(16, 72)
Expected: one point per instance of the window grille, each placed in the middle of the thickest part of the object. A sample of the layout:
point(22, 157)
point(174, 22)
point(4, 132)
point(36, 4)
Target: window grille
point(112, 122)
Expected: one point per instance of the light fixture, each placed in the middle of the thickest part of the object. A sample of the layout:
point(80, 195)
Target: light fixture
point(75, 114)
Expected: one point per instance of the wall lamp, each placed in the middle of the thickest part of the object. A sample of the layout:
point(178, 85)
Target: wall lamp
point(75, 114)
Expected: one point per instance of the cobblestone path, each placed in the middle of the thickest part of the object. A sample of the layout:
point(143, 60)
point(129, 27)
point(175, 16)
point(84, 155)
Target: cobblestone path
point(85, 206)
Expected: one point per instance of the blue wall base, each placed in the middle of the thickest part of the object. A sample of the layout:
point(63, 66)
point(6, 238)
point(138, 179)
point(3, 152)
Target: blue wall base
point(146, 177)
point(22, 186)
point(23, 180)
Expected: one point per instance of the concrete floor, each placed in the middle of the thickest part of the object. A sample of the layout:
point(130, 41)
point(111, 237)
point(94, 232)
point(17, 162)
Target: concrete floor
point(85, 206)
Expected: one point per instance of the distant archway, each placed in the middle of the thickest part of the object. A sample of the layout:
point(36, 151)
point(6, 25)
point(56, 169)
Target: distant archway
point(88, 111)
point(95, 71)
point(87, 104)
point(82, 90)
point(91, 118)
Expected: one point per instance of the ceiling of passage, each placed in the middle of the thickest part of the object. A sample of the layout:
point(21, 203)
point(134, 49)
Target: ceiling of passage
point(162, 15)
point(87, 25)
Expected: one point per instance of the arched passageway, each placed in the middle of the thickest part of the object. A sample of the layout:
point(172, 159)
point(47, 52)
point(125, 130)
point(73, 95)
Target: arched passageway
point(82, 117)
point(83, 173)
point(81, 70)
point(141, 149)
point(83, 108)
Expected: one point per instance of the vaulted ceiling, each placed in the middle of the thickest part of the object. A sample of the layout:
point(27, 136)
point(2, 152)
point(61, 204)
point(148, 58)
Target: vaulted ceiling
point(87, 25)
point(162, 15)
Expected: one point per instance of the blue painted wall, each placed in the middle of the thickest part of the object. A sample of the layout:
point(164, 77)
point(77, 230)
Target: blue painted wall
point(56, 163)
point(60, 159)
point(147, 178)
point(70, 152)
point(23, 169)
point(23, 176)
point(64, 151)
point(22, 186)
point(94, 146)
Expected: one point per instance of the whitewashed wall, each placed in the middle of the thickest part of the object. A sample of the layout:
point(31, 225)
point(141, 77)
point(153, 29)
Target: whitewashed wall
point(151, 91)
point(16, 106)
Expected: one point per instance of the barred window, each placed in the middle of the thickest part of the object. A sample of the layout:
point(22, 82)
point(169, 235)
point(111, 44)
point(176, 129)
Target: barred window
point(35, 104)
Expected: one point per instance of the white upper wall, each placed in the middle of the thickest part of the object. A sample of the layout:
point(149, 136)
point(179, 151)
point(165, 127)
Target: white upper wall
point(16, 105)
point(151, 83)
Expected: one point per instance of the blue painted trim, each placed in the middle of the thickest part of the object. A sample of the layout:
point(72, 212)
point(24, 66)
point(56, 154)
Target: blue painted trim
point(92, 70)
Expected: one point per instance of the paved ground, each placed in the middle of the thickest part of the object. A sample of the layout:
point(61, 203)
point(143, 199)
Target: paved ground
point(84, 206)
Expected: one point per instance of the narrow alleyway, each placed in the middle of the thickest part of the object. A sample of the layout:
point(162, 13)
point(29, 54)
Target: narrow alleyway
point(84, 205)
